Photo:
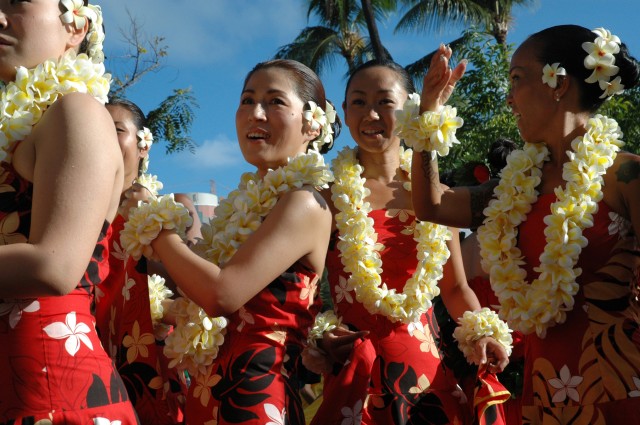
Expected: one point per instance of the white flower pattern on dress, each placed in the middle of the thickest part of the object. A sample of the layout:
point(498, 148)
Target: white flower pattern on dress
point(277, 417)
point(422, 385)
point(352, 416)
point(73, 332)
point(15, 310)
point(246, 318)
point(619, 225)
point(342, 293)
point(566, 386)
point(105, 421)
point(129, 283)
point(636, 392)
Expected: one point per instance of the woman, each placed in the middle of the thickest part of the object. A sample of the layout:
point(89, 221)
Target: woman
point(395, 375)
point(123, 314)
point(62, 177)
point(572, 183)
point(261, 257)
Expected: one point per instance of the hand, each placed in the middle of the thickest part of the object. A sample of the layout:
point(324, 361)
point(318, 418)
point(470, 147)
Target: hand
point(492, 354)
point(440, 80)
point(131, 197)
point(338, 343)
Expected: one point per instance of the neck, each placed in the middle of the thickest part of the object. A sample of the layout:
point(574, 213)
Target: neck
point(572, 127)
point(382, 166)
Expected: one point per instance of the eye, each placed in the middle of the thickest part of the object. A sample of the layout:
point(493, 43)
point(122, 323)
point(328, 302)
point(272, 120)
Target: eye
point(387, 101)
point(277, 101)
point(357, 102)
point(246, 101)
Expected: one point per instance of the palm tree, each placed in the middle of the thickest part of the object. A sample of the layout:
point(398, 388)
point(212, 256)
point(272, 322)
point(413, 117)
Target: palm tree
point(493, 16)
point(339, 35)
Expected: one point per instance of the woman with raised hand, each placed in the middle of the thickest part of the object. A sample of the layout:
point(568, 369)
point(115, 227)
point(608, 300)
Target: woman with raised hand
point(384, 270)
point(573, 291)
point(257, 268)
point(124, 318)
point(62, 175)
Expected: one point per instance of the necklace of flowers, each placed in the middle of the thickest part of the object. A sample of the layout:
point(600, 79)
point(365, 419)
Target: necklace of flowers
point(545, 302)
point(24, 100)
point(196, 339)
point(360, 254)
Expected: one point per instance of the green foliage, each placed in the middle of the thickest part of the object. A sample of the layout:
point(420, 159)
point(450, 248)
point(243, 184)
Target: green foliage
point(480, 97)
point(171, 121)
point(626, 110)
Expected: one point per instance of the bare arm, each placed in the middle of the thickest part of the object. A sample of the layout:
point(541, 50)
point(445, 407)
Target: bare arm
point(297, 228)
point(73, 159)
point(627, 175)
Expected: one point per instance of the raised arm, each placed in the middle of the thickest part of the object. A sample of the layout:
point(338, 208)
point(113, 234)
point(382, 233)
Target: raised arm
point(72, 158)
point(296, 229)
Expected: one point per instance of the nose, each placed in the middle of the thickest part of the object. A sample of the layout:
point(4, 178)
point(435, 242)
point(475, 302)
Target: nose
point(509, 98)
point(373, 114)
point(3, 19)
point(257, 113)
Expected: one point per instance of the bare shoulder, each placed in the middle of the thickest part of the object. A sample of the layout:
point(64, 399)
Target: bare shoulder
point(626, 168)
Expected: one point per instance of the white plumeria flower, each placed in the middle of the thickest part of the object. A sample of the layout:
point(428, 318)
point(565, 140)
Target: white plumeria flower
point(566, 386)
point(72, 332)
point(352, 416)
point(550, 74)
point(415, 326)
point(77, 13)
point(15, 310)
point(145, 138)
point(315, 116)
point(277, 417)
point(611, 87)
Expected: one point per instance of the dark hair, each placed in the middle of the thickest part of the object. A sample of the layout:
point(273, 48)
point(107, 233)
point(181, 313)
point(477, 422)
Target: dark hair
point(563, 44)
point(405, 79)
point(498, 153)
point(306, 84)
point(137, 116)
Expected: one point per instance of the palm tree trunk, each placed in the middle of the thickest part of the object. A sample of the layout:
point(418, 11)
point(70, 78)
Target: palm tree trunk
point(378, 49)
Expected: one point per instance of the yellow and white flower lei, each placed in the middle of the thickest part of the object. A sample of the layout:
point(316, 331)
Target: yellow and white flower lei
point(196, 339)
point(434, 132)
point(545, 302)
point(24, 100)
point(158, 292)
point(360, 255)
point(474, 325)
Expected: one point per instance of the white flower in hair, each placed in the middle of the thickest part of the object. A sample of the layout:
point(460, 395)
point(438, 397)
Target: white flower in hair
point(601, 59)
point(610, 42)
point(550, 74)
point(320, 120)
point(145, 138)
point(612, 87)
point(77, 13)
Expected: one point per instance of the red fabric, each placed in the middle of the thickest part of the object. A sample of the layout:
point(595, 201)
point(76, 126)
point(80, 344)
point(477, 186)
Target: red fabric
point(586, 370)
point(408, 383)
point(52, 363)
point(255, 377)
point(123, 319)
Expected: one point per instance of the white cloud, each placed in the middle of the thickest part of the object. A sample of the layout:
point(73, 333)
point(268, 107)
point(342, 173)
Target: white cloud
point(205, 31)
point(212, 154)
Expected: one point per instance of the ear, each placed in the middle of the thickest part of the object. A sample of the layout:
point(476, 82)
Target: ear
point(77, 35)
point(344, 110)
point(564, 83)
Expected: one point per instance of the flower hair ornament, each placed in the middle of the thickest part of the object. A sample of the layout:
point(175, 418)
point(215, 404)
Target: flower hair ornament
point(151, 182)
point(77, 13)
point(550, 74)
point(145, 138)
point(602, 61)
point(321, 119)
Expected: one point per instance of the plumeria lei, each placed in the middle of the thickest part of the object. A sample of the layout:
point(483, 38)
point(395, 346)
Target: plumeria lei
point(477, 324)
point(196, 339)
point(321, 119)
point(158, 292)
point(429, 131)
point(360, 255)
point(545, 302)
point(24, 100)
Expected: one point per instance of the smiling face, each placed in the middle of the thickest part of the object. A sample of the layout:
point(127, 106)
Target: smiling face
point(269, 121)
point(372, 98)
point(128, 141)
point(32, 32)
point(531, 100)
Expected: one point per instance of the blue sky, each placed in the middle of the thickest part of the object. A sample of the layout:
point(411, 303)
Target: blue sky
point(214, 43)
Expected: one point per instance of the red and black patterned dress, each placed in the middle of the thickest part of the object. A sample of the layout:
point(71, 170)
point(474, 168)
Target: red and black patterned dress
point(52, 365)
point(587, 370)
point(123, 320)
point(396, 375)
point(255, 378)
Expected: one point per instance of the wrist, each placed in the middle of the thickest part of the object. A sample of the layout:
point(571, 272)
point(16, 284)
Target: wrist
point(475, 325)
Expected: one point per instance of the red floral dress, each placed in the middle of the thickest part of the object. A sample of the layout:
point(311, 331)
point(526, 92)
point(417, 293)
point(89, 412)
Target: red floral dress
point(53, 367)
point(396, 375)
point(123, 320)
point(587, 370)
point(255, 378)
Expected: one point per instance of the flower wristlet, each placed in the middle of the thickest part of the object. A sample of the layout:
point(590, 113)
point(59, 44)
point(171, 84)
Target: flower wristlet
point(433, 131)
point(324, 322)
point(478, 324)
point(148, 220)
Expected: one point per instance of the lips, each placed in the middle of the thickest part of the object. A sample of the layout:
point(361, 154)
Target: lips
point(372, 132)
point(258, 135)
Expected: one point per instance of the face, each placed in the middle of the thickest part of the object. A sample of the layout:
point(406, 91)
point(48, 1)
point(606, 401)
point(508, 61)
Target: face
point(128, 141)
point(269, 120)
point(372, 98)
point(531, 100)
point(30, 33)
